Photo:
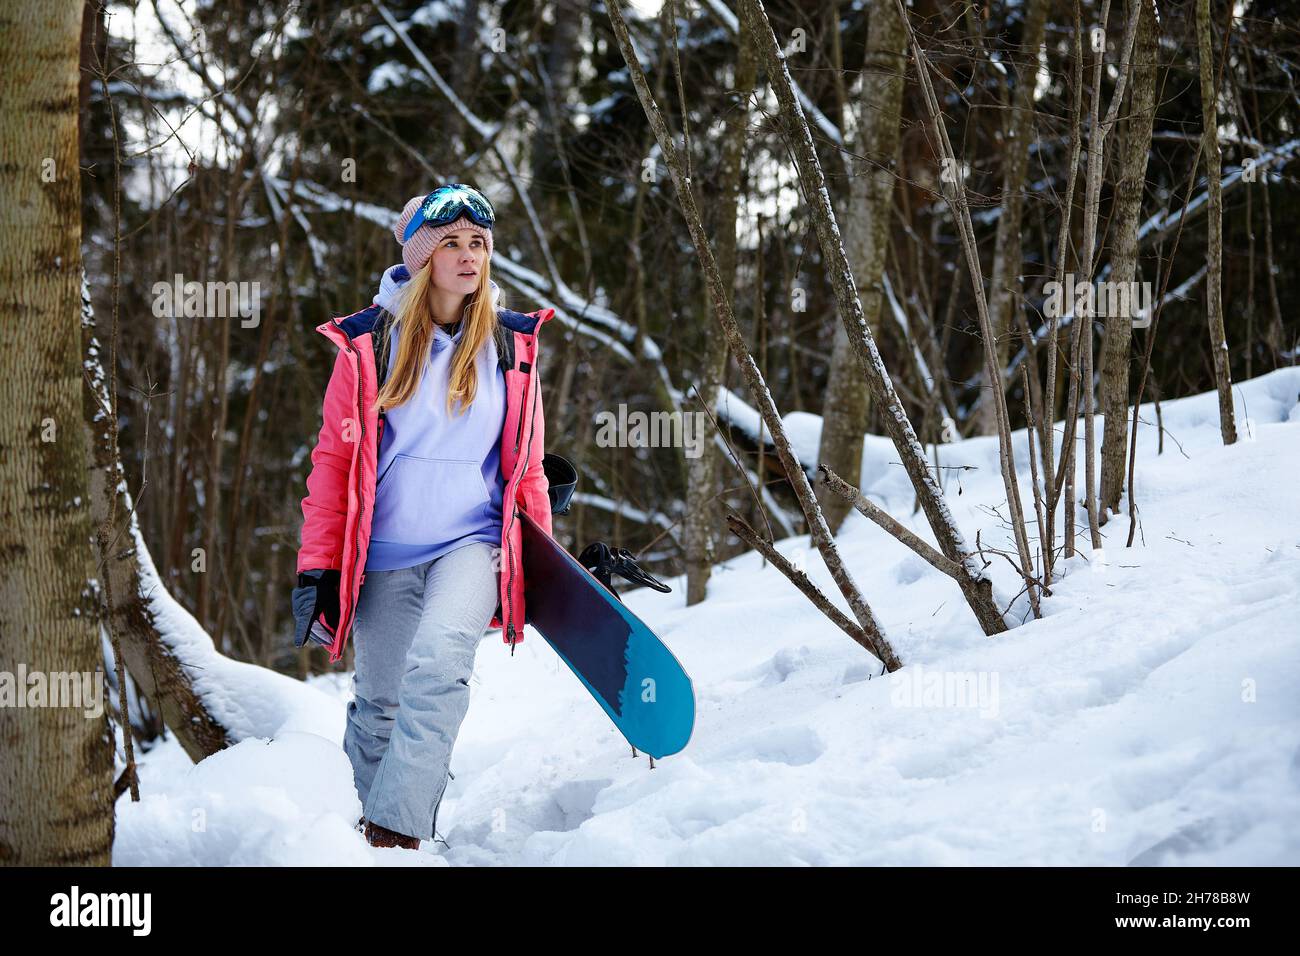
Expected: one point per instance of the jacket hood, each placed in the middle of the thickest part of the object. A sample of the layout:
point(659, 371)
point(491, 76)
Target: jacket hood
point(394, 281)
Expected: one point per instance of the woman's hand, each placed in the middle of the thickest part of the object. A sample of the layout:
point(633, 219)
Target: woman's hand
point(316, 596)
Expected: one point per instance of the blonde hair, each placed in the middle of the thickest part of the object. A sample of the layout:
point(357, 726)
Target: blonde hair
point(414, 322)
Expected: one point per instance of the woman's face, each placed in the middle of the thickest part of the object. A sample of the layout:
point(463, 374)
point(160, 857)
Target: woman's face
point(457, 261)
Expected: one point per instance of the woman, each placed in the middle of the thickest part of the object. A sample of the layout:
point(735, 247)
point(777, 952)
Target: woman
point(435, 393)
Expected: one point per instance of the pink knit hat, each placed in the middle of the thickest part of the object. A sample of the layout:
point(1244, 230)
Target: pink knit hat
point(417, 250)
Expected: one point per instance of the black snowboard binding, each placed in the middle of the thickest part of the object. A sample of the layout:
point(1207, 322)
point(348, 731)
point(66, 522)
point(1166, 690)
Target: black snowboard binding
point(598, 558)
point(604, 562)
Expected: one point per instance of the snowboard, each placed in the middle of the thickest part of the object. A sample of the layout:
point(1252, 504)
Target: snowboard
point(626, 668)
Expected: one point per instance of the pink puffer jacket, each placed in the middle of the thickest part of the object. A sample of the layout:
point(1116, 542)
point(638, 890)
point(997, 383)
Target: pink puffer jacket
point(341, 486)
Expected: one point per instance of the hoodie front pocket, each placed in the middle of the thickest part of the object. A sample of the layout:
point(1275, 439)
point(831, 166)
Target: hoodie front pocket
point(429, 501)
point(388, 470)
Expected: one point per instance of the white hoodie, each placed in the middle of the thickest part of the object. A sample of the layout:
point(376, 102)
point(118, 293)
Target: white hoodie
point(439, 477)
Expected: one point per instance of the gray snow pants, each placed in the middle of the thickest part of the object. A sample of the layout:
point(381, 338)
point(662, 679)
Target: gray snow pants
point(416, 633)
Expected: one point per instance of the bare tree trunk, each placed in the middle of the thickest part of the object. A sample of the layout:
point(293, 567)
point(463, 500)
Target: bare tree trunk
point(1098, 130)
point(1005, 285)
point(56, 751)
point(1275, 328)
point(1214, 238)
point(1066, 471)
point(157, 672)
point(873, 637)
point(866, 239)
point(1146, 356)
point(1135, 147)
point(977, 589)
point(928, 493)
point(702, 511)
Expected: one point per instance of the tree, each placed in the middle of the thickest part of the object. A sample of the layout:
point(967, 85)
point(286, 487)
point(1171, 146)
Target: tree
point(866, 238)
point(703, 471)
point(1005, 283)
point(1135, 147)
point(1214, 224)
point(56, 760)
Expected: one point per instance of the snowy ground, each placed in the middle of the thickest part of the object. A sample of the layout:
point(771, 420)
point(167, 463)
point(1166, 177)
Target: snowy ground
point(1151, 717)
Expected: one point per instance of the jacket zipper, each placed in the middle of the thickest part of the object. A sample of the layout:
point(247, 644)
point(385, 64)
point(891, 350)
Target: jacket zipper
point(361, 506)
point(514, 511)
point(361, 501)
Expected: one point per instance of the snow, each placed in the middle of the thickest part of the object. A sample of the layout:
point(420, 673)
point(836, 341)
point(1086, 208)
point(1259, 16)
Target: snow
point(396, 75)
point(1152, 716)
point(247, 700)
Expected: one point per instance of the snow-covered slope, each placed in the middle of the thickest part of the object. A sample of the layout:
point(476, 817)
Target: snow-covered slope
point(1151, 717)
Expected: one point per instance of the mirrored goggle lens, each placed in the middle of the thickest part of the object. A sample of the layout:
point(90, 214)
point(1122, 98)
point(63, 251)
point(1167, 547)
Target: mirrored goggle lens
point(447, 206)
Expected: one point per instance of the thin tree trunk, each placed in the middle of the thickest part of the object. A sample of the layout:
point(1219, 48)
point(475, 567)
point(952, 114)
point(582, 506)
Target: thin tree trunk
point(955, 195)
point(873, 636)
point(1146, 357)
point(1098, 130)
point(1270, 269)
point(1214, 224)
point(977, 589)
point(1005, 285)
point(702, 509)
point(1066, 470)
point(866, 240)
point(1135, 147)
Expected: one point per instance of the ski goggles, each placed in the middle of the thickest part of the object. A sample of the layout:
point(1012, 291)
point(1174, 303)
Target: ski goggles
point(447, 204)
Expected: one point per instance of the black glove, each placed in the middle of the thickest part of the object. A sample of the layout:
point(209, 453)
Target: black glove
point(315, 597)
point(561, 480)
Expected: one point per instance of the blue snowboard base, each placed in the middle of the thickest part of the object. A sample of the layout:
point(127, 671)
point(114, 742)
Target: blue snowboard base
point(626, 668)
